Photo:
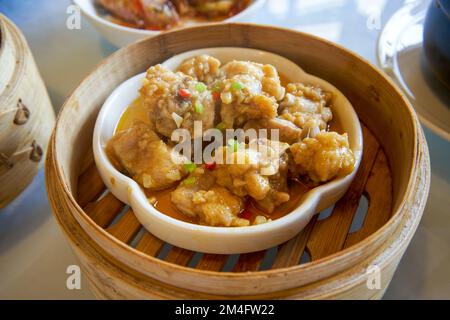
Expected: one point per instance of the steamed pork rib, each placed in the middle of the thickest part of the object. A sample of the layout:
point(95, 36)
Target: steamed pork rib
point(324, 157)
point(200, 198)
point(138, 149)
point(304, 103)
point(150, 14)
point(278, 193)
point(176, 100)
point(248, 91)
point(266, 74)
point(202, 68)
point(243, 183)
point(287, 131)
point(258, 170)
point(242, 100)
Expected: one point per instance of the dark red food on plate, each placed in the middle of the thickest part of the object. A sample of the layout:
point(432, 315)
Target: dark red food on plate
point(151, 14)
point(166, 14)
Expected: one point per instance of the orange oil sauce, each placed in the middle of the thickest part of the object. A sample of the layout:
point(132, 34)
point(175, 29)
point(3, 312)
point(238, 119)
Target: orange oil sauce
point(135, 112)
point(296, 192)
point(164, 205)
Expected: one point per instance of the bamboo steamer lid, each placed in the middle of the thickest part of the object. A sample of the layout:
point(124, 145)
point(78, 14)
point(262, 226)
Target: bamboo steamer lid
point(26, 114)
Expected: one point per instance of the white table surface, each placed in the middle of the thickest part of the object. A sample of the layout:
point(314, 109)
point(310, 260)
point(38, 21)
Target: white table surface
point(34, 254)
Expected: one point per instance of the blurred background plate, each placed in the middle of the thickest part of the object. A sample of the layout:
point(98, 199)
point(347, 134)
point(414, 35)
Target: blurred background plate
point(400, 54)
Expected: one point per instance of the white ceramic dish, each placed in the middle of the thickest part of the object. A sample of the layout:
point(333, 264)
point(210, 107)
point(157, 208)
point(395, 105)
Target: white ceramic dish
point(121, 36)
point(221, 240)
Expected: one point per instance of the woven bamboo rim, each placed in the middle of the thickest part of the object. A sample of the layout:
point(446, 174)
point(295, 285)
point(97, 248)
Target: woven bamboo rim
point(26, 114)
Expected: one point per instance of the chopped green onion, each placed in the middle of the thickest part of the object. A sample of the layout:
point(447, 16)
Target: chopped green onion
point(233, 144)
point(198, 107)
point(221, 126)
point(237, 86)
point(200, 87)
point(189, 181)
point(217, 86)
point(190, 167)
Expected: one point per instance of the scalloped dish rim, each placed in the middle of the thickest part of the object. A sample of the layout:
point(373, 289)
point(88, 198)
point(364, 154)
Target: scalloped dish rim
point(129, 192)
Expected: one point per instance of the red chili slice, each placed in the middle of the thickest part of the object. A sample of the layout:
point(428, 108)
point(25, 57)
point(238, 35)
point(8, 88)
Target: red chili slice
point(210, 166)
point(246, 214)
point(184, 93)
point(216, 95)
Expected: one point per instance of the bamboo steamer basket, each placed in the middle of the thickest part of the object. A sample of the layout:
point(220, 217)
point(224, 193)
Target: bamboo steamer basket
point(123, 261)
point(26, 114)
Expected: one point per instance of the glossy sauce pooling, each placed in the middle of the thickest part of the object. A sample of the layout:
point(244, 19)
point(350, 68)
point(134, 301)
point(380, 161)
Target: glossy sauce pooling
point(296, 192)
point(135, 112)
point(164, 205)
